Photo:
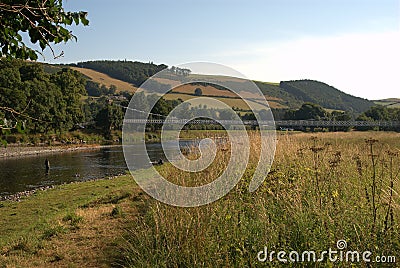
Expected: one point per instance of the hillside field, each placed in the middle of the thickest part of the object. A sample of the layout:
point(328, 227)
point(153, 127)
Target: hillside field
point(232, 102)
point(285, 94)
point(390, 103)
point(106, 80)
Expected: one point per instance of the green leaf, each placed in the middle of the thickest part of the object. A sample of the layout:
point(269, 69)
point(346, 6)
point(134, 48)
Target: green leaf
point(4, 142)
point(76, 18)
point(42, 44)
point(20, 127)
point(84, 20)
point(6, 131)
point(67, 20)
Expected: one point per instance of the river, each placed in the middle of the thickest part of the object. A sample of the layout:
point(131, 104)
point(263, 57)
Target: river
point(18, 174)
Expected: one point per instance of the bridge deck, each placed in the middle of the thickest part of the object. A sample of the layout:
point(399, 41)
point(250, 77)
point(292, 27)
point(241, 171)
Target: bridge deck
point(279, 123)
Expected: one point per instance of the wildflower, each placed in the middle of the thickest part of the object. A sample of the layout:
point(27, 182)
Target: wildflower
point(335, 194)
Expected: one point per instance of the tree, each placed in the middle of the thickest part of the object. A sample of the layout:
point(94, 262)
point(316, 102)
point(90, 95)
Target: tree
point(110, 118)
point(379, 113)
point(375, 113)
point(71, 84)
point(265, 115)
point(139, 105)
point(340, 116)
point(132, 72)
point(112, 90)
point(41, 100)
point(43, 97)
point(310, 111)
point(93, 88)
point(43, 20)
point(198, 92)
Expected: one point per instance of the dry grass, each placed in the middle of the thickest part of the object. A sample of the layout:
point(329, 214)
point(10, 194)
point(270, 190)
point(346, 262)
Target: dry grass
point(217, 78)
point(171, 82)
point(106, 80)
point(88, 244)
point(207, 90)
point(319, 191)
point(215, 92)
point(238, 103)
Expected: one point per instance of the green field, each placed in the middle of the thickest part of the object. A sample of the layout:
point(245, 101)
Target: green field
point(390, 103)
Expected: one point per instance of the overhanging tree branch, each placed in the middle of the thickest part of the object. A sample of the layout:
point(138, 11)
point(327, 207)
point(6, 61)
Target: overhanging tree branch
point(21, 114)
point(43, 20)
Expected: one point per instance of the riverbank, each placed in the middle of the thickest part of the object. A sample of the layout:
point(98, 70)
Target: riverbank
point(17, 197)
point(72, 225)
point(19, 151)
point(15, 150)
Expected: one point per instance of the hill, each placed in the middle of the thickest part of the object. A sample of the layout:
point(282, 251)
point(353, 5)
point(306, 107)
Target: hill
point(104, 79)
point(325, 95)
point(389, 103)
point(283, 95)
point(187, 91)
point(134, 73)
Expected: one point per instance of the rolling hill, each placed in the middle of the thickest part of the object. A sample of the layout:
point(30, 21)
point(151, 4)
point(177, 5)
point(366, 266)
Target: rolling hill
point(104, 79)
point(389, 103)
point(325, 95)
point(127, 75)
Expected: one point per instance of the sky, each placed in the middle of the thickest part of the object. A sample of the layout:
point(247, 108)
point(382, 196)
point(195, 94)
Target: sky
point(353, 45)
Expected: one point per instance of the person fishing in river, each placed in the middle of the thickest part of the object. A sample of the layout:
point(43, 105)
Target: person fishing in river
point(47, 165)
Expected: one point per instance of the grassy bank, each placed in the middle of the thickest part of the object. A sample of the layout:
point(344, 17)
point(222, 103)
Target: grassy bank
point(322, 188)
point(74, 225)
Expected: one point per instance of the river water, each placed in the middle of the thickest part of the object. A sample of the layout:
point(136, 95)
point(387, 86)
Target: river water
point(26, 173)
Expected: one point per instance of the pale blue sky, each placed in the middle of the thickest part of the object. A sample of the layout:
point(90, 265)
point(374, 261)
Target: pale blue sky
point(340, 42)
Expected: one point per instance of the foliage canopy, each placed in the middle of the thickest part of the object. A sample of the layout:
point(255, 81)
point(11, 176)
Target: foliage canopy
point(42, 101)
point(44, 21)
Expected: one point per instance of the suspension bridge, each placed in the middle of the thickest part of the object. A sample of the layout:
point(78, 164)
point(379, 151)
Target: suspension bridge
point(270, 123)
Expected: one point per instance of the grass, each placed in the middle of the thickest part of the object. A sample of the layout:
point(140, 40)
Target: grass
point(389, 103)
point(232, 102)
point(206, 90)
point(106, 80)
point(321, 188)
point(72, 225)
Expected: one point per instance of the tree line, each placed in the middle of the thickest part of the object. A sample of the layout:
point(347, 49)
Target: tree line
point(311, 111)
point(133, 72)
point(42, 102)
point(33, 101)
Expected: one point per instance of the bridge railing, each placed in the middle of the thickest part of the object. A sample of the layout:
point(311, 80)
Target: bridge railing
point(312, 123)
point(278, 123)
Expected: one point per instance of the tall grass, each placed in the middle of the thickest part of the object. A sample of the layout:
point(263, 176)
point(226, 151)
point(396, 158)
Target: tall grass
point(322, 188)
